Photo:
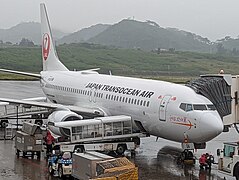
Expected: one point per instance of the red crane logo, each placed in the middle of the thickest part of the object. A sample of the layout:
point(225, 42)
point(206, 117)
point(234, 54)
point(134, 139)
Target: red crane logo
point(45, 46)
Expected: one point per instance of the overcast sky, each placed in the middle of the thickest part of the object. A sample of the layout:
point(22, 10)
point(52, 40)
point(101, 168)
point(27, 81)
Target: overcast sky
point(213, 19)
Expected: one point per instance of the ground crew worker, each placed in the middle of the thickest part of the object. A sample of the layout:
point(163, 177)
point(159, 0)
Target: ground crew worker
point(49, 139)
point(202, 161)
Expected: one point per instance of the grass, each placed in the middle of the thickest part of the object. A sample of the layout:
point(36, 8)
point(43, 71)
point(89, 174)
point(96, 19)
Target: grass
point(176, 67)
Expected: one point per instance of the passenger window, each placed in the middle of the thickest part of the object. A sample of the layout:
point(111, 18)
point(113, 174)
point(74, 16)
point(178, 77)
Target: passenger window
point(144, 103)
point(200, 107)
point(141, 102)
point(138, 102)
point(189, 107)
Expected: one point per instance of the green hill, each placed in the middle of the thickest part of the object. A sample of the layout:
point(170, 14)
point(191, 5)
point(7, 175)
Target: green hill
point(84, 34)
point(29, 30)
point(128, 62)
point(149, 36)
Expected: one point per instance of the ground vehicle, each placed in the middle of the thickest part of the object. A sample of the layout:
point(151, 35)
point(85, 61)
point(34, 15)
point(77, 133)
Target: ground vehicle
point(60, 164)
point(118, 147)
point(29, 140)
point(18, 114)
point(113, 133)
point(96, 166)
point(228, 161)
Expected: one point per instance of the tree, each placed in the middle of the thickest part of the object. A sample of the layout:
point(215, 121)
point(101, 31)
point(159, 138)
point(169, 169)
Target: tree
point(26, 42)
point(220, 48)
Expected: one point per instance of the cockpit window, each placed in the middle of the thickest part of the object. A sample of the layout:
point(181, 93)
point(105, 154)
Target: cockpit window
point(211, 107)
point(189, 107)
point(182, 106)
point(186, 107)
point(201, 107)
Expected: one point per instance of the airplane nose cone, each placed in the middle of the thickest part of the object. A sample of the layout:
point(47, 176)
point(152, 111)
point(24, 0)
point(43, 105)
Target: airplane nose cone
point(211, 126)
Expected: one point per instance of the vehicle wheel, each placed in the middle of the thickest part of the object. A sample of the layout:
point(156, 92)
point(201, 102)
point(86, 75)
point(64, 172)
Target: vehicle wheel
point(38, 122)
point(60, 172)
point(24, 154)
point(136, 140)
point(17, 153)
point(79, 149)
point(38, 154)
point(4, 123)
point(50, 169)
point(32, 155)
point(236, 171)
point(121, 149)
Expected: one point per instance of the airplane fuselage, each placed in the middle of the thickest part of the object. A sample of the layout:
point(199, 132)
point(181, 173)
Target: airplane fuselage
point(161, 107)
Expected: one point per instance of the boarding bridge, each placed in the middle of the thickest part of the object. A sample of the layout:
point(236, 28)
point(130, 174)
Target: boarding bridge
point(222, 90)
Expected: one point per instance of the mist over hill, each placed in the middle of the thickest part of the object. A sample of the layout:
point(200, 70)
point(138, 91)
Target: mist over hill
point(84, 34)
point(149, 36)
point(128, 34)
point(28, 30)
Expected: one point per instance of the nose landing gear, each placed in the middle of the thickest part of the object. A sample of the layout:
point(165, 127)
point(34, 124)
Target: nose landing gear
point(186, 157)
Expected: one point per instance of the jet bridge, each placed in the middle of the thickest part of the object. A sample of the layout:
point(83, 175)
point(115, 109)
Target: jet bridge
point(222, 91)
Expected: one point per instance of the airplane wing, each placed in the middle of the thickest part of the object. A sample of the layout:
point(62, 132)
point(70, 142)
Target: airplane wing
point(21, 73)
point(81, 110)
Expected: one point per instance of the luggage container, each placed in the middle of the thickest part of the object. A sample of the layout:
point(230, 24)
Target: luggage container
point(29, 140)
point(96, 166)
point(84, 164)
point(117, 169)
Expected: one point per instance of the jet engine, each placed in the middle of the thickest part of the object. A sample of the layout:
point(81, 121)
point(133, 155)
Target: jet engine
point(60, 116)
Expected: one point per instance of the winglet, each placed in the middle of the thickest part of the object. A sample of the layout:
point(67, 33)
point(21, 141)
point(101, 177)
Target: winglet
point(49, 56)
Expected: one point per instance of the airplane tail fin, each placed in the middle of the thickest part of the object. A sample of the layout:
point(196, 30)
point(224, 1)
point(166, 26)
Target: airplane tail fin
point(49, 56)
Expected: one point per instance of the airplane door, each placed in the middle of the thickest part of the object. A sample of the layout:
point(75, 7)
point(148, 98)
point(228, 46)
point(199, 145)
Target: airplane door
point(163, 108)
point(92, 95)
point(95, 95)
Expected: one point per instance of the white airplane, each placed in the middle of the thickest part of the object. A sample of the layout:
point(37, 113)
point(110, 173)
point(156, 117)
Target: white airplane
point(162, 109)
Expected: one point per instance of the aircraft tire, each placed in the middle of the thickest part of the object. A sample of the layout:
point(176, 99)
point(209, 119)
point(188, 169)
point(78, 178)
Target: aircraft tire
point(121, 149)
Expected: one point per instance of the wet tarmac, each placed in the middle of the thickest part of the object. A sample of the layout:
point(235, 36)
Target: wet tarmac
point(155, 160)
